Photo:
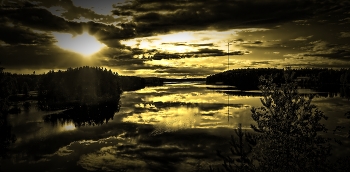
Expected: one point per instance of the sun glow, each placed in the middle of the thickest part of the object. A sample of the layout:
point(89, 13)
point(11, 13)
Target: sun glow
point(84, 44)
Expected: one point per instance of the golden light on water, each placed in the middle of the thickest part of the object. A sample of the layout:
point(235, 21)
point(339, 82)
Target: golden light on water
point(84, 44)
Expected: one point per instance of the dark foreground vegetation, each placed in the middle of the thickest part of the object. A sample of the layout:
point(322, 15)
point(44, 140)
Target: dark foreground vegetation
point(288, 135)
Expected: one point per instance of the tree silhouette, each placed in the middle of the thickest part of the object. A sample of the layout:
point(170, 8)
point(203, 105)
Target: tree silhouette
point(288, 126)
point(79, 86)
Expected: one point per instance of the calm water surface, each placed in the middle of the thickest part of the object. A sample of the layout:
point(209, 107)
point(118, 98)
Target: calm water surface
point(175, 127)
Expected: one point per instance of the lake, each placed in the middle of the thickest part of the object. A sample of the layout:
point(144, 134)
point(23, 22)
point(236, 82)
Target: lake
point(174, 127)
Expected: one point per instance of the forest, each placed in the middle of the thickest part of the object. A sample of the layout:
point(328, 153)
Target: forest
point(57, 89)
point(78, 86)
point(316, 78)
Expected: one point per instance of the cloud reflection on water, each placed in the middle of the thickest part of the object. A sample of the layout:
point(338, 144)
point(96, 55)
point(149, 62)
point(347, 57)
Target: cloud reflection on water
point(187, 105)
point(175, 151)
point(167, 128)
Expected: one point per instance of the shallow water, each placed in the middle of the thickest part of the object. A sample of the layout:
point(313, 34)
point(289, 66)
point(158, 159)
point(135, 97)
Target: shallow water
point(175, 127)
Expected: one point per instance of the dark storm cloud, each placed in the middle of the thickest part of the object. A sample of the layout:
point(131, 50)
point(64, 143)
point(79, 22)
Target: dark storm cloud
point(73, 12)
point(46, 57)
point(328, 50)
point(40, 19)
point(129, 63)
point(110, 34)
point(338, 54)
point(163, 16)
point(200, 45)
point(183, 71)
point(25, 30)
point(175, 43)
point(208, 51)
point(249, 43)
point(204, 52)
point(257, 63)
point(186, 44)
point(14, 35)
point(253, 42)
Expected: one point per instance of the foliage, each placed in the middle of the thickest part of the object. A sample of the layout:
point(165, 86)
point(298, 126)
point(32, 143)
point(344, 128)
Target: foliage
point(131, 83)
point(242, 78)
point(288, 133)
point(79, 86)
point(7, 88)
point(289, 127)
point(320, 78)
point(241, 147)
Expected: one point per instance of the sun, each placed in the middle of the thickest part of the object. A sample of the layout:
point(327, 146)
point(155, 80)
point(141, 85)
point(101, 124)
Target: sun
point(84, 44)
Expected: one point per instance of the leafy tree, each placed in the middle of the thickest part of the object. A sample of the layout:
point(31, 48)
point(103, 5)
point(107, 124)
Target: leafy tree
point(289, 129)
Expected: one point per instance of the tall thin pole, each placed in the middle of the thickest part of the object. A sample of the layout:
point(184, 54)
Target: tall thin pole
point(228, 107)
point(228, 56)
point(228, 95)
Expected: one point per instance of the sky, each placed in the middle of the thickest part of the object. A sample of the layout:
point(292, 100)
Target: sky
point(173, 39)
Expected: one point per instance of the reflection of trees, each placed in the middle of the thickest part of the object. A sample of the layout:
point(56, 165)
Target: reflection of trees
point(85, 115)
point(6, 137)
point(345, 92)
point(6, 90)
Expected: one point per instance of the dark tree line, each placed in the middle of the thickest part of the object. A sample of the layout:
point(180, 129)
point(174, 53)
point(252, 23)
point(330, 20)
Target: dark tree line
point(131, 83)
point(319, 78)
point(82, 85)
point(244, 78)
point(26, 83)
point(78, 86)
point(19, 83)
